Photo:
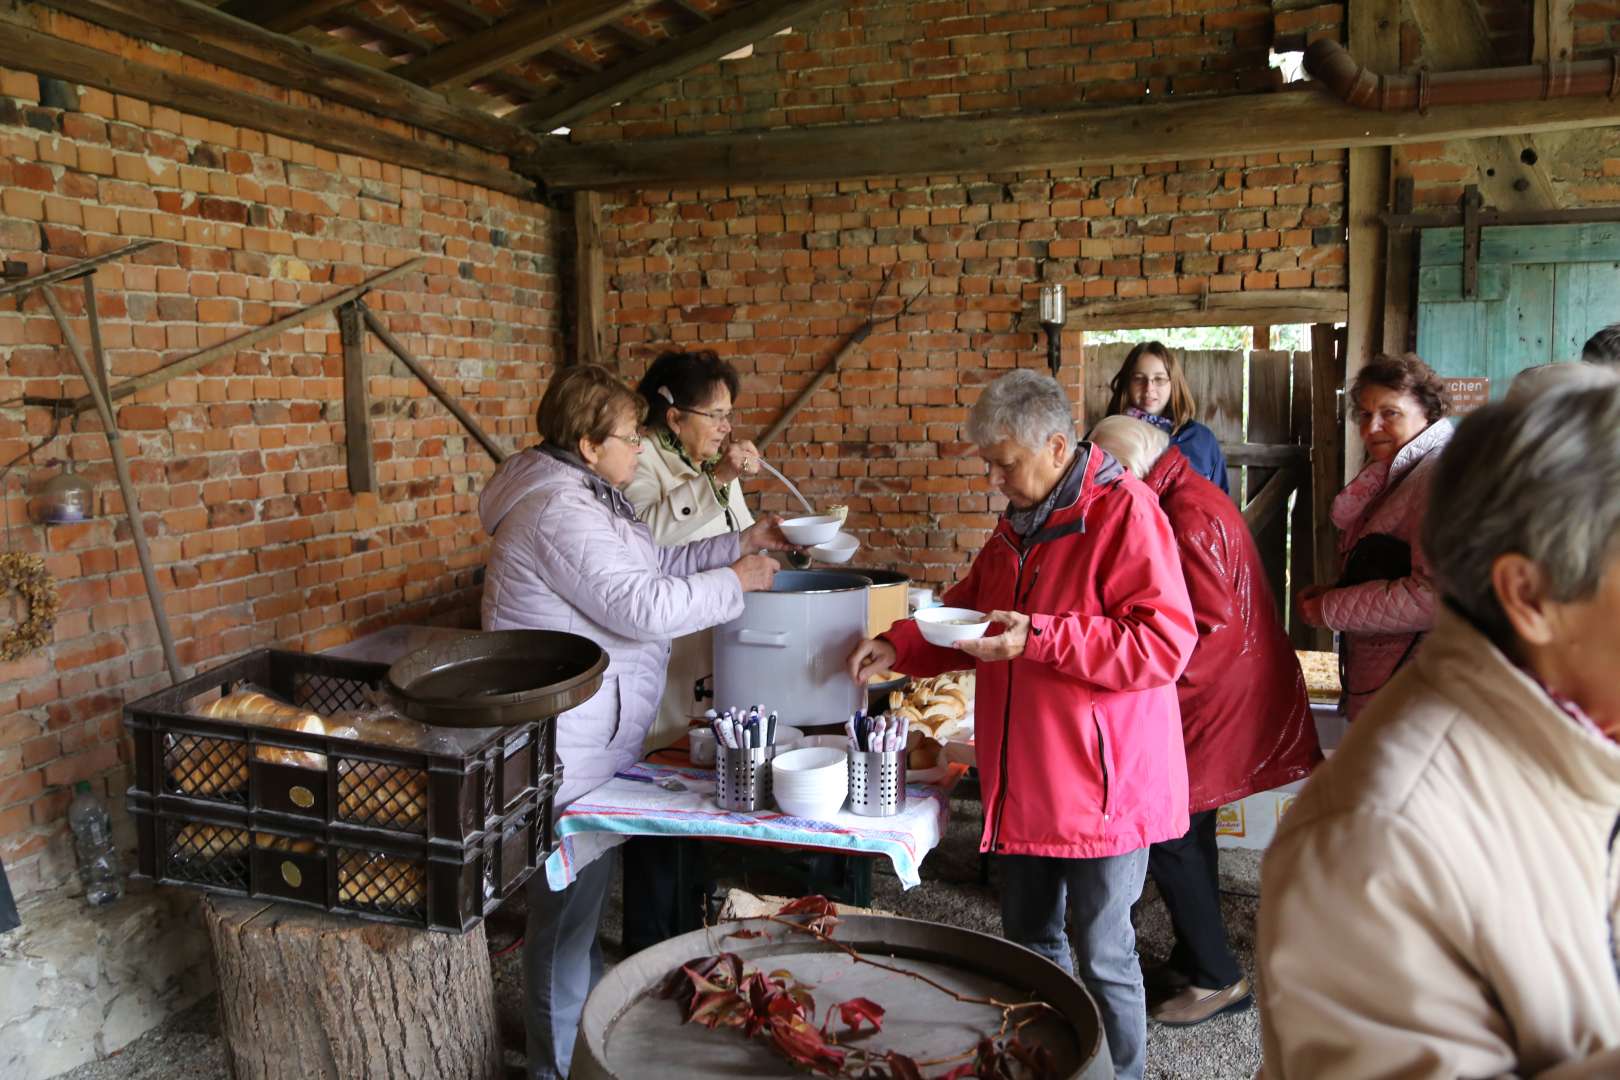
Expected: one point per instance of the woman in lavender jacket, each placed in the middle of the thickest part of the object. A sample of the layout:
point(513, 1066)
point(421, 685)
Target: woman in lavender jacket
point(570, 555)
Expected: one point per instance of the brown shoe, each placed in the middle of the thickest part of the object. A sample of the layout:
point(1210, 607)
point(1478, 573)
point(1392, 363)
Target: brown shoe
point(1161, 982)
point(1194, 1005)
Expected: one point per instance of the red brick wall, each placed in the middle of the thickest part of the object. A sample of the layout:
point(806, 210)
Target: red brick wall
point(884, 59)
point(241, 468)
point(775, 278)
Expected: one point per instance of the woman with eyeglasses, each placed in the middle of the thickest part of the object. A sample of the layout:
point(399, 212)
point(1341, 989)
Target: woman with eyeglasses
point(688, 486)
point(570, 554)
point(1151, 386)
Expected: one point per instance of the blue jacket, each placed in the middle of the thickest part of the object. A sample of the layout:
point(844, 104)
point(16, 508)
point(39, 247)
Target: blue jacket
point(1197, 444)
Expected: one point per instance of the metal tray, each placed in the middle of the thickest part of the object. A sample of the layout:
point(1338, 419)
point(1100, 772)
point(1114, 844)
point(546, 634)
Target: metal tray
point(497, 678)
point(625, 1024)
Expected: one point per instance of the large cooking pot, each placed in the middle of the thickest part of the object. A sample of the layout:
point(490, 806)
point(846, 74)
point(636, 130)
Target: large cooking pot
point(788, 648)
point(885, 599)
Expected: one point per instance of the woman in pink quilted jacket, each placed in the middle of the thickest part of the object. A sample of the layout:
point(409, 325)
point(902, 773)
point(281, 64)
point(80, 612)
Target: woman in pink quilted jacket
point(1384, 600)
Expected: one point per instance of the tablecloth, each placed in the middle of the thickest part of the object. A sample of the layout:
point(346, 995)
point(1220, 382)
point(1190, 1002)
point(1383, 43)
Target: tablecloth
point(633, 804)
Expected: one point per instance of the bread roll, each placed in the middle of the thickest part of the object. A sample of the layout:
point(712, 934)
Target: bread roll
point(924, 755)
point(266, 711)
point(202, 841)
point(394, 797)
point(272, 842)
point(381, 881)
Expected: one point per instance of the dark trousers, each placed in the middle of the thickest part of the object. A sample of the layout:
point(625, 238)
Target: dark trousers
point(1187, 871)
point(663, 889)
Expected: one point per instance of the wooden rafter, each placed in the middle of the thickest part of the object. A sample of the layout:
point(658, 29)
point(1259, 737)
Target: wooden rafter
point(691, 9)
point(462, 12)
point(1457, 38)
point(514, 38)
point(666, 61)
point(195, 29)
point(24, 48)
point(1304, 119)
point(282, 16)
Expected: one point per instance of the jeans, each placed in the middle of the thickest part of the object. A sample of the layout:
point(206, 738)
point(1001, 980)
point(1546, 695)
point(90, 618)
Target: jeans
point(1036, 894)
point(1187, 871)
point(561, 963)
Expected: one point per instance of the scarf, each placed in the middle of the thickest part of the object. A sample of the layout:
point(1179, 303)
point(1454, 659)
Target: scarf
point(667, 440)
point(1163, 423)
point(1028, 522)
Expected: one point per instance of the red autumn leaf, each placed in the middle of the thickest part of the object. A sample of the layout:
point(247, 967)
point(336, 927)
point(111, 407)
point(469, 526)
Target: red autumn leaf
point(823, 912)
point(902, 1067)
point(745, 934)
point(967, 1068)
point(1037, 1059)
point(856, 1010)
point(719, 1008)
point(802, 1044)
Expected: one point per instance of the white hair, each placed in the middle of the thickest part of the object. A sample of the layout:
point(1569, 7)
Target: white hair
point(1545, 378)
point(1136, 444)
point(1024, 406)
point(1540, 477)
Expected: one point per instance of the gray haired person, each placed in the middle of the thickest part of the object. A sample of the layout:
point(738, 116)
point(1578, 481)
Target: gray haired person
point(1440, 900)
point(1546, 378)
point(1078, 728)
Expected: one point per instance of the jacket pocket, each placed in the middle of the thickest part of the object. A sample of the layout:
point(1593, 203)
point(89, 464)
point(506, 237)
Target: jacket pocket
point(595, 724)
point(1104, 765)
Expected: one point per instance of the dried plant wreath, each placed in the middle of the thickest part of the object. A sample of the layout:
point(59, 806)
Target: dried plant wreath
point(26, 576)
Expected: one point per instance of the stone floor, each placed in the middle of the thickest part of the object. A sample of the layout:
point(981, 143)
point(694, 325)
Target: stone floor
point(1227, 1048)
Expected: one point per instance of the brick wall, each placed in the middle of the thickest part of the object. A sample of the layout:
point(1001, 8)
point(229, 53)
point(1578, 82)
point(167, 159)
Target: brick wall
point(775, 278)
point(241, 467)
point(885, 59)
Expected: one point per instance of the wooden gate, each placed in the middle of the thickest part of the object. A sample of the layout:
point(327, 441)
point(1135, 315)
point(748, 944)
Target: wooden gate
point(1539, 292)
point(1260, 406)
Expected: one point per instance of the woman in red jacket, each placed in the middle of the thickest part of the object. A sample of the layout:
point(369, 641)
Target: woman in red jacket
point(1245, 717)
point(1078, 732)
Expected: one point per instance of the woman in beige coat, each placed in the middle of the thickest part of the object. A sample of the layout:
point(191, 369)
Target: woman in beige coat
point(1441, 900)
point(688, 486)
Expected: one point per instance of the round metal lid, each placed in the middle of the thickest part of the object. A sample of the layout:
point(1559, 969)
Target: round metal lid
point(496, 678)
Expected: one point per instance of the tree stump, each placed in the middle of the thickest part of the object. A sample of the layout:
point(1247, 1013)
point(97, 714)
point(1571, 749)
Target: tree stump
point(309, 996)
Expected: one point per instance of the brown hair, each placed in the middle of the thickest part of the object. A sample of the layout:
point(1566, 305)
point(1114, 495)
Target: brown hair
point(1182, 406)
point(1404, 374)
point(585, 402)
point(689, 378)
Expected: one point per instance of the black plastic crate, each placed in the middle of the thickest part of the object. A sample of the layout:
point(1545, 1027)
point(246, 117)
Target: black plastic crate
point(451, 792)
point(240, 853)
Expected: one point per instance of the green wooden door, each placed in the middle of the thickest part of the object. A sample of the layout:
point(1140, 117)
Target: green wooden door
point(1542, 291)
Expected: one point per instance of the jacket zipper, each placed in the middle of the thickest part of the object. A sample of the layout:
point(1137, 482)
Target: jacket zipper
point(1102, 760)
point(1006, 713)
point(1610, 878)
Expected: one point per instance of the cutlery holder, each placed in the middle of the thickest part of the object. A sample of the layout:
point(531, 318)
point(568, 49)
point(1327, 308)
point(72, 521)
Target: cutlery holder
point(877, 782)
point(743, 777)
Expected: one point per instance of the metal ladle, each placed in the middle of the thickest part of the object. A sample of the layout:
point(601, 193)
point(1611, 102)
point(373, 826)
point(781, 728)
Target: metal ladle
point(768, 467)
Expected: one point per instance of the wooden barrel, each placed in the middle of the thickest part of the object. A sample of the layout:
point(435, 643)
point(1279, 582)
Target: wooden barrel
point(626, 1026)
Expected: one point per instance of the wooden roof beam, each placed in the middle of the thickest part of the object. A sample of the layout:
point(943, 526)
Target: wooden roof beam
point(1457, 38)
point(24, 48)
point(514, 38)
point(1306, 118)
point(282, 16)
point(665, 61)
point(198, 30)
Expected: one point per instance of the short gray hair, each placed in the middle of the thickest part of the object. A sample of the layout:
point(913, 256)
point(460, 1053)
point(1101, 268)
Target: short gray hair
point(1135, 444)
point(1546, 378)
point(1024, 406)
point(1538, 477)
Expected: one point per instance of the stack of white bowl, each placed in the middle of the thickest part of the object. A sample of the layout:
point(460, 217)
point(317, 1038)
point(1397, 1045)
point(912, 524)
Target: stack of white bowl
point(811, 782)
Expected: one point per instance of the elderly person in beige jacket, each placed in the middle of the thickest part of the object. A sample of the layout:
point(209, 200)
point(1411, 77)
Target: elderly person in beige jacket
point(1440, 902)
point(688, 486)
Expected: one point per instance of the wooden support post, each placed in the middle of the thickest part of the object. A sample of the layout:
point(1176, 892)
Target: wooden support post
point(1261, 513)
point(1325, 443)
point(132, 504)
point(207, 356)
point(1400, 274)
point(94, 316)
point(73, 270)
point(305, 994)
point(1375, 42)
point(590, 289)
point(1301, 532)
point(376, 326)
point(356, 402)
point(1269, 397)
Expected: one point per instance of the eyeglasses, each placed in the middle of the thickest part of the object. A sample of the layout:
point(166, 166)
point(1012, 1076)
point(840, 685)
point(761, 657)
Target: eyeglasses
point(1158, 381)
point(717, 417)
point(633, 441)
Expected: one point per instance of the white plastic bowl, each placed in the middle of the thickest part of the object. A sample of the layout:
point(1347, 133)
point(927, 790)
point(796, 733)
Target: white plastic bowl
point(812, 807)
point(809, 531)
point(941, 625)
point(840, 549)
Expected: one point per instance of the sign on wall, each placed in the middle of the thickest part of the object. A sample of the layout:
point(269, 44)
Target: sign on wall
point(1468, 393)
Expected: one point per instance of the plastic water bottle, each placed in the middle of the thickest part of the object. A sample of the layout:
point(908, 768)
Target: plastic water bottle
point(92, 837)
